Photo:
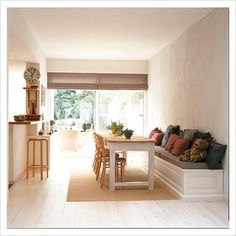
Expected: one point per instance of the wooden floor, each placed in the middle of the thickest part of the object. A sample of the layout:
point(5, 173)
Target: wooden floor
point(42, 204)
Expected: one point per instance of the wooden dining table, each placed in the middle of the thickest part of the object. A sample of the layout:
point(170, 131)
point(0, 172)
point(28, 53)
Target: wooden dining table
point(136, 143)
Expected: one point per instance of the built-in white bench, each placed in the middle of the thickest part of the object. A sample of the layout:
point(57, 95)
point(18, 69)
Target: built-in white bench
point(189, 181)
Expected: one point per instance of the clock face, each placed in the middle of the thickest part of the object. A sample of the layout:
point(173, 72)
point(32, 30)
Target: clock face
point(31, 75)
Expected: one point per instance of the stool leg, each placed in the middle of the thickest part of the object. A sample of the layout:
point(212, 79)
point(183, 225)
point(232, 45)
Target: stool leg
point(103, 174)
point(47, 157)
point(122, 171)
point(27, 161)
point(125, 156)
point(33, 158)
point(41, 160)
point(116, 171)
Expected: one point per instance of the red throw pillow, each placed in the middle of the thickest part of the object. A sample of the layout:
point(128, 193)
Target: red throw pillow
point(157, 137)
point(171, 142)
point(181, 145)
point(156, 130)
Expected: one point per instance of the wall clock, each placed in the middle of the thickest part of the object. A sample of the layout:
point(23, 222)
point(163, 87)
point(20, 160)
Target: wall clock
point(32, 76)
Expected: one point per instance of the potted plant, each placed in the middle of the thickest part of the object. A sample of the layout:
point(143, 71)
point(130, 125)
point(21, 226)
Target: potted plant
point(128, 133)
point(116, 128)
point(84, 127)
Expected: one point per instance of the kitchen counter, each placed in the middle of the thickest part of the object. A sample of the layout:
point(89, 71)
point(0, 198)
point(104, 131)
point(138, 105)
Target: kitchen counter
point(27, 122)
point(19, 132)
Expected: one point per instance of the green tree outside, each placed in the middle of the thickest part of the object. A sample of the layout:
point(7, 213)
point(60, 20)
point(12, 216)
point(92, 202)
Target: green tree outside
point(67, 103)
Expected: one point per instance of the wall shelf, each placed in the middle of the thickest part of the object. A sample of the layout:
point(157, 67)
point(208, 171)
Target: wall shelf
point(31, 89)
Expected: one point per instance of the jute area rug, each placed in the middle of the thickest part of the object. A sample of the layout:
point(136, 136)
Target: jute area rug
point(84, 187)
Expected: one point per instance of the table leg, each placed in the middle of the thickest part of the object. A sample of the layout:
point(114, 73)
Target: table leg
point(112, 170)
point(151, 169)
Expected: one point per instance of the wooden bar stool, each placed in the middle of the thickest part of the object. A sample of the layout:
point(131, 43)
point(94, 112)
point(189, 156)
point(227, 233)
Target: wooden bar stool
point(41, 166)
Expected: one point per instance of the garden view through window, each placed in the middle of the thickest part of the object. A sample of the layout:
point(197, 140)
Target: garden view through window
point(84, 110)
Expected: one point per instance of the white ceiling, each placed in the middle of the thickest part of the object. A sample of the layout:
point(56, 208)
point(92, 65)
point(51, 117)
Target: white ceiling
point(105, 33)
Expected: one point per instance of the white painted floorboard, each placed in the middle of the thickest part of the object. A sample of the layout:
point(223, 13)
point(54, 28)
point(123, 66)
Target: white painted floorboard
point(42, 204)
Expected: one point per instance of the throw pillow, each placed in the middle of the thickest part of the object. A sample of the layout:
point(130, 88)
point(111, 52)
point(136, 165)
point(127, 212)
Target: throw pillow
point(171, 142)
point(170, 130)
point(156, 130)
point(215, 155)
point(157, 137)
point(181, 133)
point(189, 133)
point(200, 135)
point(181, 145)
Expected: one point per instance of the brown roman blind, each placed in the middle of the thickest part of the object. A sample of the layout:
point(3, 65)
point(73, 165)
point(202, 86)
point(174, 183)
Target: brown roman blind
point(72, 80)
point(103, 81)
point(122, 81)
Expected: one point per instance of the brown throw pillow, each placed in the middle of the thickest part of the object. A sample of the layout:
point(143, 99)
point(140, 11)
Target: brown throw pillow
point(200, 135)
point(171, 142)
point(156, 130)
point(181, 145)
point(157, 137)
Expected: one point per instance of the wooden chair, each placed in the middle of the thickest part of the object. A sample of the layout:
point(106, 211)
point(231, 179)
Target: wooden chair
point(96, 155)
point(97, 161)
point(99, 153)
point(103, 159)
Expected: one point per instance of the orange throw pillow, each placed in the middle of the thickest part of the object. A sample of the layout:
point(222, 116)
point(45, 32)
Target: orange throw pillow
point(171, 142)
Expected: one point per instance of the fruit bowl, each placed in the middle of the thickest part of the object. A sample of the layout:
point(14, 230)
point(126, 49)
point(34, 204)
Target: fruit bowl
point(33, 117)
point(20, 117)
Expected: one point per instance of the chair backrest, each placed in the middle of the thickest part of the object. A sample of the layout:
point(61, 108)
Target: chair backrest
point(95, 139)
point(101, 147)
point(98, 143)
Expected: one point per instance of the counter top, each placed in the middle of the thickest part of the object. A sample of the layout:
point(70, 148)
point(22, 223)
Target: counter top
point(27, 122)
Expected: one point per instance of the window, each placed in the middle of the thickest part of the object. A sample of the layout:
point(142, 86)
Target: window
point(123, 105)
point(83, 109)
point(74, 109)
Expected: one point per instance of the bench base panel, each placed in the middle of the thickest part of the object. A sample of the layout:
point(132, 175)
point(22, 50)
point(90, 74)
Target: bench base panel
point(190, 184)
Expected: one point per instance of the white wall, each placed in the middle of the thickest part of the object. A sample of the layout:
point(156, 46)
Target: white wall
point(16, 93)
point(96, 66)
point(188, 81)
point(18, 25)
point(17, 133)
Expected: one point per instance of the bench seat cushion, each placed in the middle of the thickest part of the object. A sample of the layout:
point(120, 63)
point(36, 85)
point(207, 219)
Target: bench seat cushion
point(165, 155)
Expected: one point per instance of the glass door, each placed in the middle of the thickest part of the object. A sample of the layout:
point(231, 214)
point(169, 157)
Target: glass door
point(74, 113)
point(120, 105)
